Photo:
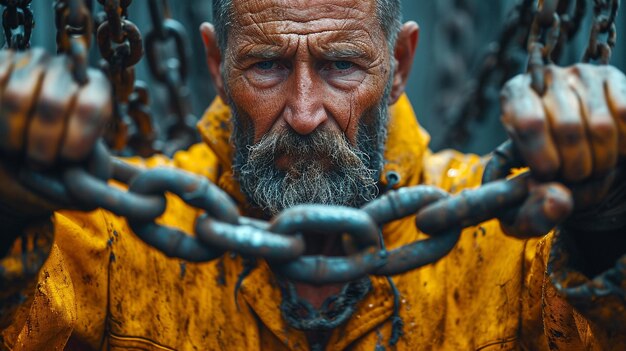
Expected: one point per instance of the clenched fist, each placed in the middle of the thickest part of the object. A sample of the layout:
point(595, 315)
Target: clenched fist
point(46, 121)
point(571, 137)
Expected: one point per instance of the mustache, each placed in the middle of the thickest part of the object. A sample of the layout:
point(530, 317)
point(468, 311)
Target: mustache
point(324, 168)
point(327, 144)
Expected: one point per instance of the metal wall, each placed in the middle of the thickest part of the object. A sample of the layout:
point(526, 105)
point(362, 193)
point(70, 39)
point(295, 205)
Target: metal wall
point(484, 24)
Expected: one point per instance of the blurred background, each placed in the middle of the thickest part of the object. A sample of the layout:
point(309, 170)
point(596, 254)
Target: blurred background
point(467, 49)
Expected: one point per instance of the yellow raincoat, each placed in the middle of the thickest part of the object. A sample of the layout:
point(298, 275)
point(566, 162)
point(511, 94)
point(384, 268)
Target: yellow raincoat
point(103, 288)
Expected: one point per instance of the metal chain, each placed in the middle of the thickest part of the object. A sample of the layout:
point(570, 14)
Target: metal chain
point(535, 34)
point(571, 14)
point(171, 71)
point(74, 31)
point(142, 140)
point(605, 13)
point(504, 58)
point(121, 46)
point(280, 240)
point(18, 23)
point(454, 49)
point(543, 38)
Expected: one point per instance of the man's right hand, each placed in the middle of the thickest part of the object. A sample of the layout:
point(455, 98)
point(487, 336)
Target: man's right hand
point(47, 121)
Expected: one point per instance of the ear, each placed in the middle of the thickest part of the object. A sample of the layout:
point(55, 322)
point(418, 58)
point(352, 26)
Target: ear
point(404, 53)
point(213, 57)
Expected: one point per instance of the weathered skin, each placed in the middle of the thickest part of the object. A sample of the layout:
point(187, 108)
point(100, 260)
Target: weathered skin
point(302, 43)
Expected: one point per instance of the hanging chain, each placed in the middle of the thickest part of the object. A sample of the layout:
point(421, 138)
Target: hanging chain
point(605, 13)
point(543, 38)
point(455, 48)
point(121, 46)
point(74, 32)
point(503, 60)
point(142, 140)
point(18, 23)
point(171, 71)
point(571, 14)
point(535, 33)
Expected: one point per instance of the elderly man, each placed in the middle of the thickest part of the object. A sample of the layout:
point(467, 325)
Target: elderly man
point(313, 91)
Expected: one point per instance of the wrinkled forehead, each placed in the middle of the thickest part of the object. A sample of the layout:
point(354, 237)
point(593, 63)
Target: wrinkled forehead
point(303, 17)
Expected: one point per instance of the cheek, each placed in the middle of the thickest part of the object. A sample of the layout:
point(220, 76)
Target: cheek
point(261, 106)
point(348, 107)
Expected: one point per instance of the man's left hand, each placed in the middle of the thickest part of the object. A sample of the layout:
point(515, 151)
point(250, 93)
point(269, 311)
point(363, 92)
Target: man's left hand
point(572, 134)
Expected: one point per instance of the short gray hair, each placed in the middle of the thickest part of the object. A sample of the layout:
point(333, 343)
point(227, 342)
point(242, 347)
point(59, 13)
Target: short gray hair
point(389, 13)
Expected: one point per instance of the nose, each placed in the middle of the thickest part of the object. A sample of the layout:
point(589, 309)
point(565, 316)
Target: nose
point(305, 110)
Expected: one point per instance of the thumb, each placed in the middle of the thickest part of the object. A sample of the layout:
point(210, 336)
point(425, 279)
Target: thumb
point(547, 205)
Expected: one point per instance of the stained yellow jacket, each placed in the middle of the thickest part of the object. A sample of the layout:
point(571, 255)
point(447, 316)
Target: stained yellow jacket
point(103, 288)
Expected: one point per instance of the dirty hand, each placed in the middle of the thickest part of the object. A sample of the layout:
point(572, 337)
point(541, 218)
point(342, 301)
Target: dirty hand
point(47, 121)
point(571, 138)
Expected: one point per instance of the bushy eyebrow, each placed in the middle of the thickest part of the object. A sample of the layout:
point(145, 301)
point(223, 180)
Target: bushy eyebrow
point(265, 52)
point(337, 52)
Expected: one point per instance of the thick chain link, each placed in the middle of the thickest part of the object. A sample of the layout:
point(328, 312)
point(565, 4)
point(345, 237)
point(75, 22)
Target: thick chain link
point(279, 241)
point(605, 13)
point(17, 23)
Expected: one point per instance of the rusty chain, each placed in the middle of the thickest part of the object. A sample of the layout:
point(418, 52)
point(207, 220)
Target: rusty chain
point(121, 46)
point(74, 31)
point(535, 33)
point(504, 58)
point(17, 23)
point(280, 240)
point(171, 71)
point(571, 14)
point(605, 13)
point(543, 38)
point(142, 140)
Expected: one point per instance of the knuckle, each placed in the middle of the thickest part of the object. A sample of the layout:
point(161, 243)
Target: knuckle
point(612, 72)
point(544, 168)
point(603, 129)
point(569, 133)
point(530, 125)
point(512, 86)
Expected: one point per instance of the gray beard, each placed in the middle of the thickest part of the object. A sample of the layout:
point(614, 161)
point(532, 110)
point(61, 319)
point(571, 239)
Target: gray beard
point(326, 169)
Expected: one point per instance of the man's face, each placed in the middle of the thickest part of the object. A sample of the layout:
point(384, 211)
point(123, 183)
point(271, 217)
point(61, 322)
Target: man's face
point(308, 82)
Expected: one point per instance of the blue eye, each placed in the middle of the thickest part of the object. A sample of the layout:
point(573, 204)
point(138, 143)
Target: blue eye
point(342, 65)
point(265, 65)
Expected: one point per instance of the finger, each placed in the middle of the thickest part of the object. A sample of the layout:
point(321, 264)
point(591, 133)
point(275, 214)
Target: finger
point(92, 110)
point(601, 128)
point(568, 129)
point(591, 192)
point(46, 128)
point(616, 98)
point(19, 97)
point(525, 120)
point(6, 66)
point(547, 205)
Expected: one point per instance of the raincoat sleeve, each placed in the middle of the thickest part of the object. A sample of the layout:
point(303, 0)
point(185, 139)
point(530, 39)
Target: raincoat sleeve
point(567, 307)
point(54, 279)
point(564, 306)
